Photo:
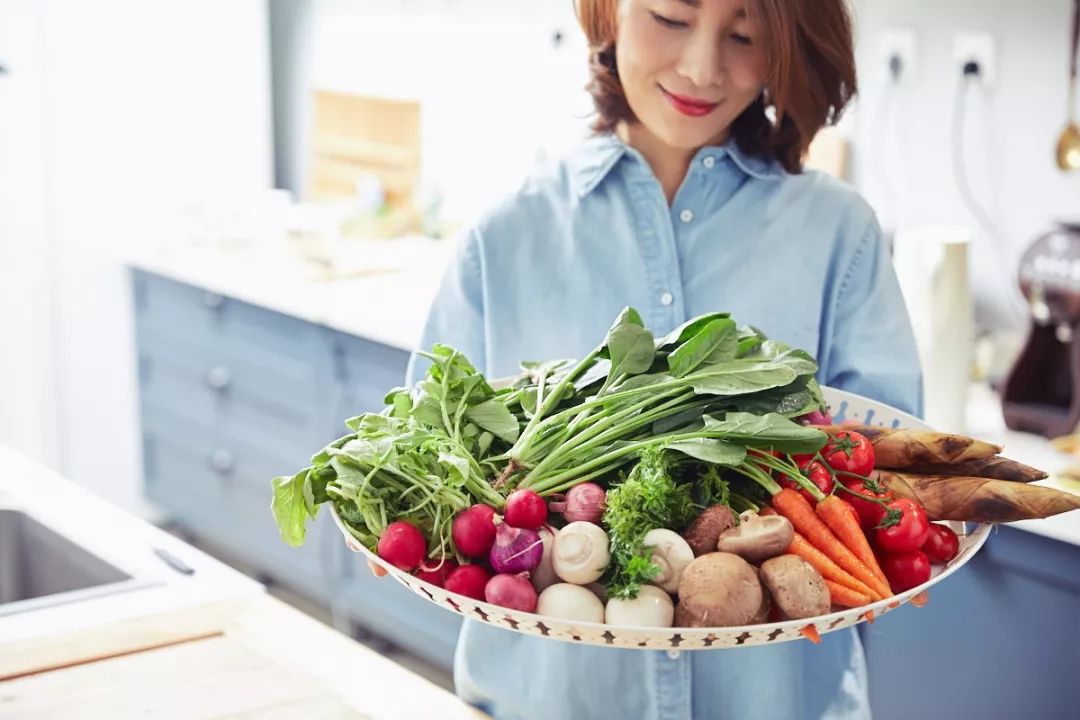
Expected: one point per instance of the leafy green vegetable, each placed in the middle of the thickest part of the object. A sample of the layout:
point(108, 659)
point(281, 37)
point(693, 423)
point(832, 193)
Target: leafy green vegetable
point(646, 500)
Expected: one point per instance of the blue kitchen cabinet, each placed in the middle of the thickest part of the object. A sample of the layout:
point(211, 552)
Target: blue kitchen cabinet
point(999, 639)
point(231, 395)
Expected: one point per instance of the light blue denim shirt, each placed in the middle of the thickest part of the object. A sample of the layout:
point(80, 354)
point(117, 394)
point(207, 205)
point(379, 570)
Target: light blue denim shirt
point(544, 275)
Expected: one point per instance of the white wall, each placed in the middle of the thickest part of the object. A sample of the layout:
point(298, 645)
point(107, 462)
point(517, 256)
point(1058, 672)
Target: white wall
point(146, 107)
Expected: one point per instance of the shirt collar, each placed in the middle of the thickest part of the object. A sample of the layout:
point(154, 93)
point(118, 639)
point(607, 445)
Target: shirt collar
point(598, 155)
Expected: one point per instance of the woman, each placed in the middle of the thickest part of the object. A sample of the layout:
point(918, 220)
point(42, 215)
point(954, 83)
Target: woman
point(688, 200)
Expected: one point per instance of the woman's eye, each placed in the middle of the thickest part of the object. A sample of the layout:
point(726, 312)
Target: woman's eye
point(668, 22)
point(741, 39)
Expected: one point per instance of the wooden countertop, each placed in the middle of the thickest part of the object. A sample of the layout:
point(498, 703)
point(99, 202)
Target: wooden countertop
point(270, 662)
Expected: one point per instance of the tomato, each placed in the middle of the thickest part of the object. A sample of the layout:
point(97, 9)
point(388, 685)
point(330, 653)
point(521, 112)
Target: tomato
point(870, 513)
point(818, 474)
point(909, 532)
point(763, 466)
point(848, 451)
point(803, 460)
point(941, 544)
point(905, 570)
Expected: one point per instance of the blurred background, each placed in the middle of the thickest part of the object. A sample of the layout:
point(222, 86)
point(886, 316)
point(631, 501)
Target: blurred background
point(221, 224)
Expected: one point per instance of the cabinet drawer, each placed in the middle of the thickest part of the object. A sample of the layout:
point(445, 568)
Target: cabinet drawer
point(369, 370)
point(222, 491)
point(240, 400)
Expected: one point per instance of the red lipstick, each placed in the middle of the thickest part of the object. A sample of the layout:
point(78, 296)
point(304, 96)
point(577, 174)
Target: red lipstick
point(688, 105)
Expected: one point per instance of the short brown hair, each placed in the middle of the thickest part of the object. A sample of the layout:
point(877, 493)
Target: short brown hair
point(811, 77)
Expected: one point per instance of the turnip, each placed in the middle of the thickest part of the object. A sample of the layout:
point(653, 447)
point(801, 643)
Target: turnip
point(570, 602)
point(652, 607)
point(585, 503)
point(515, 550)
point(402, 545)
point(525, 509)
point(474, 531)
point(468, 580)
point(511, 591)
point(581, 553)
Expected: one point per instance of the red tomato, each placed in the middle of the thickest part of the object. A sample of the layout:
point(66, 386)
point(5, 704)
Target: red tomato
point(803, 460)
point(941, 544)
point(907, 534)
point(848, 451)
point(870, 513)
point(905, 570)
point(763, 466)
point(818, 474)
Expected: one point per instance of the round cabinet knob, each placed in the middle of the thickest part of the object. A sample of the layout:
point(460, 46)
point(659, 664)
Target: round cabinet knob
point(222, 462)
point(218, 379)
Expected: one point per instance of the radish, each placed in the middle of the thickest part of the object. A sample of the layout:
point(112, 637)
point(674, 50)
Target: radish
point(467, 580)
point(584, 502)
point(525, 509)
point(436, 576)
point(402, 545)
point(511, 591)
point(474, 530)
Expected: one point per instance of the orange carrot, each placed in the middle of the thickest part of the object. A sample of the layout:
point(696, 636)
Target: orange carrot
point(795, 508)
point(810, 633)
point(844, 596)
point(829, 570)
point(842, 519)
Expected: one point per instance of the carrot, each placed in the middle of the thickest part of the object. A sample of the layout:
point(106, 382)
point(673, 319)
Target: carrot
point(844, 596)
point(810, 633)
point(829, 570)
point(842, 519)
point(795, 508)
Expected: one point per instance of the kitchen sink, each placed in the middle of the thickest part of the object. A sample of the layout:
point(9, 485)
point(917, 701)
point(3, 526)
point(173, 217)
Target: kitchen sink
point(39, 567)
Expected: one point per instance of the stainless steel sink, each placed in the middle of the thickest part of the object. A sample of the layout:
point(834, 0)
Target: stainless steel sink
point(40, 567)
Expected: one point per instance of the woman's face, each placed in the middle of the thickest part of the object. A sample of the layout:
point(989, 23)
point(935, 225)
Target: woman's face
point(689, 67)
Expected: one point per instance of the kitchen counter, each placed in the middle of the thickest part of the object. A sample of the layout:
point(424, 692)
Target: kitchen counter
point(380, 290)
point(192, 639)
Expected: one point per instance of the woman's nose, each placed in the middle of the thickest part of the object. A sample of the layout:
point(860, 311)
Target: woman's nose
point(702, 61)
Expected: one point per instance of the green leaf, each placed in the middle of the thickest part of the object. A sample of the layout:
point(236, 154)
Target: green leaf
point(778, 353)
point(290, 507)
point(688, 329)
point(457, 468)
point(740, 377)
point(629, 345)
point(767, 431)
point(709, 450)
point(492, 415)
point(715, 342)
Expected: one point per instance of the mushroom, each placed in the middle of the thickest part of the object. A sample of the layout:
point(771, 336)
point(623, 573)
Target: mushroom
point(651, 608)
point(704, 532)
point(758, 538)
point(570, 602)
point(671, 554)
point(718, 590)
point(580, 553)
point(796, 587)
point(543, 576)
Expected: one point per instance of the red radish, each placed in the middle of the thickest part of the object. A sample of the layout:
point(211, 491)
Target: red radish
point(583, 503)
point(402, 545)
point(474, 530)
point(511, 591)
point(437, 576)
point(525, 509)
point(467, 580)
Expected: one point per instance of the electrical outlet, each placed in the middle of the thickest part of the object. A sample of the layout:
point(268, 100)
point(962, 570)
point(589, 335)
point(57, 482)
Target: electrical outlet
point(898, 44)
point(980, 48)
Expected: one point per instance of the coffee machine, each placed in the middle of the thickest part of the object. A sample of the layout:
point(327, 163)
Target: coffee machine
point(1041, 393)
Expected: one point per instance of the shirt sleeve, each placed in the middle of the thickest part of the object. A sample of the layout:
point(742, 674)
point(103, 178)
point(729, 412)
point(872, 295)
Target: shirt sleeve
point(872, 349)
point(456, 317)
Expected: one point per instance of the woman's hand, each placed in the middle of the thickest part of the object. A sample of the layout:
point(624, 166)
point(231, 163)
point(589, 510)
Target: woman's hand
point(376, 569)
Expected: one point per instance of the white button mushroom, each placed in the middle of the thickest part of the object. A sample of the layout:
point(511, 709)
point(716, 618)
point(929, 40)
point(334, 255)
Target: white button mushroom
point(580, 553)
point(570, 602)
point(651, 608)
point(544, 574)
point(672, 554)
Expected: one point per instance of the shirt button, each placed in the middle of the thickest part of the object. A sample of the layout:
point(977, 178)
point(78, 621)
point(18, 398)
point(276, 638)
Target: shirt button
point(673, 654)
point(666, 299)
point(709, 162)
point(686, 216)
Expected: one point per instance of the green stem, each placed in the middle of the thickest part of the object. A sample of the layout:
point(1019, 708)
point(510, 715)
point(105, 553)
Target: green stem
point(551, 401)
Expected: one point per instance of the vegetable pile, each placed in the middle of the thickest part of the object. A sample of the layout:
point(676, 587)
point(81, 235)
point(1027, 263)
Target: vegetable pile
point(692, 479)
